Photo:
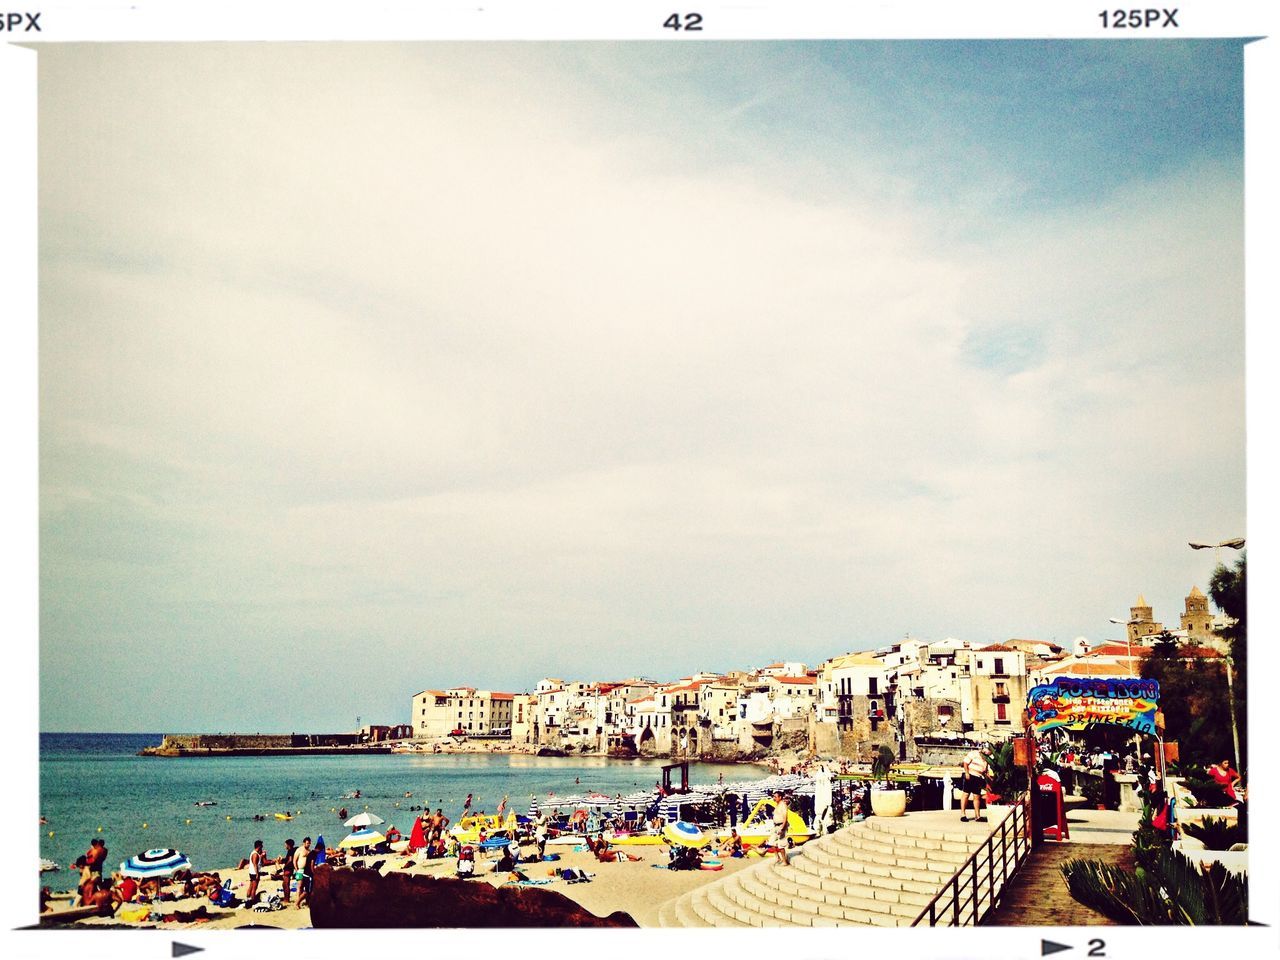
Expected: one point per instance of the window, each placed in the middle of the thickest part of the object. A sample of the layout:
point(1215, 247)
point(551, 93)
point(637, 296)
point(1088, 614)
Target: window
point(873, 686)
point(999, 665)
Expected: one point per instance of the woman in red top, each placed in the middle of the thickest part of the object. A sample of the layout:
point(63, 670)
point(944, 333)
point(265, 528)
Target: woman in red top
point(1226, 778)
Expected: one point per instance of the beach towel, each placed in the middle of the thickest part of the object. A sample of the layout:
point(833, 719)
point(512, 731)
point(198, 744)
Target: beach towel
point(533, 883)
point(417, 836)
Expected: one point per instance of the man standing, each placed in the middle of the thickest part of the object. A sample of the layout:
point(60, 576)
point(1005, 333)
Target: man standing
point(257, 860)
point(302, 863)
point(286, 870)
point(781, 818)
point(96, 856)
point(973, 783)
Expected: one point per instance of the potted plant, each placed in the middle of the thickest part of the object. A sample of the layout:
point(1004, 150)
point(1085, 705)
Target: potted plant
point(1093, 790)
point(886, 800)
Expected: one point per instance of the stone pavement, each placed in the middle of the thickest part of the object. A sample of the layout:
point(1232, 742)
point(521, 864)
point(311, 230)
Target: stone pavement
point(1038, 895)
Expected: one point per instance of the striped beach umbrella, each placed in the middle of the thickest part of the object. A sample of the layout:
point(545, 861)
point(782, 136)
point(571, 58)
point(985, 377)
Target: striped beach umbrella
point(154, 863)
point(685, 834)
point(364, 837)
point(533, 808)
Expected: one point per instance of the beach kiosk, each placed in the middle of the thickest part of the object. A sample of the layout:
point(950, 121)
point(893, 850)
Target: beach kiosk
point(1078, 704)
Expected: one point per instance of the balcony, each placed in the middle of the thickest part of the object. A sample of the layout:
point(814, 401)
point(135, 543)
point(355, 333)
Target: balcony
point(1000, 697)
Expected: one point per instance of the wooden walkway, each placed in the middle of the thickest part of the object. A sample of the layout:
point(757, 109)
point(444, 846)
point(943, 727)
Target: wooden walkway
point(1038, 895)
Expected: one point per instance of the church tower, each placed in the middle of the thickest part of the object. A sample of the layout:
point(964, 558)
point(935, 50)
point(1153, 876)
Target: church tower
point(1140, 622)
point(1197, 621)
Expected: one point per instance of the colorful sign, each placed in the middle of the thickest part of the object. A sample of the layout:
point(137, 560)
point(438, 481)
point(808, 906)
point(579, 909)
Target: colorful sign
point(1076, 703)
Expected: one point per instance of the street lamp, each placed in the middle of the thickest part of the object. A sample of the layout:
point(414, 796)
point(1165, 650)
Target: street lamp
point(1128, 643)
point(1236, 544)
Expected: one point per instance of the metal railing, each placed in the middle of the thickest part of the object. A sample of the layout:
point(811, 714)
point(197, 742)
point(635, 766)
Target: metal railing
point(973, 890)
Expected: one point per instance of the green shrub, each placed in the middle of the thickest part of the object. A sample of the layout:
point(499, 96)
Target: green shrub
point(1170, 891)
point(1092, 789)
point(1216, 833)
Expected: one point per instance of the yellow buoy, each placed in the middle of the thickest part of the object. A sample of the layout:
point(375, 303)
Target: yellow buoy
point(99, 829)
point(188, 821)
point(144, 826)
point(51, 833)
point(228, 816)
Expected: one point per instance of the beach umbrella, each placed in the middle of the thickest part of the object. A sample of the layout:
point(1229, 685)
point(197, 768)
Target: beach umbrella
point(319, 854)
point(154, 863)
point(365, 819)
point(533, 808)
point(685, 834)
point(364, 837)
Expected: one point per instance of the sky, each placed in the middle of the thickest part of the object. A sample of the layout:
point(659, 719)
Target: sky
point(371, 368)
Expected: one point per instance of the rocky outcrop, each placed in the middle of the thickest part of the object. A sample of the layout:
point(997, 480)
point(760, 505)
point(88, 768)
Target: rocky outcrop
point(366, 899)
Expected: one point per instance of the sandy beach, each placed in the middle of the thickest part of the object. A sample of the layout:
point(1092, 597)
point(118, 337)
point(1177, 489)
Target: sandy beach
point(635, 887)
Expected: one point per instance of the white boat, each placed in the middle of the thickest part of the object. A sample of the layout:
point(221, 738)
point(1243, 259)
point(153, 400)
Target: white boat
point(48, 866)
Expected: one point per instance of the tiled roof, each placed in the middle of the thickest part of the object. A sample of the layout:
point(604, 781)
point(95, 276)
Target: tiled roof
point(799, 680)
point(502, 696)
point(1120, 668)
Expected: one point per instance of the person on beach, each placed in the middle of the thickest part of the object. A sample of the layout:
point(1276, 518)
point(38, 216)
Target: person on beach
point(126, 887)
point(973, 783)
point(286, 870)
point(88, 882)
point(781, 820)
point(104, 899)
point(735, 844)
point(302, 863)
point(258, 860)
point(96, 856)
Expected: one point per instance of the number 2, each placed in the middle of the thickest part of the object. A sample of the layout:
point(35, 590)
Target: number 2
point(1097, 948)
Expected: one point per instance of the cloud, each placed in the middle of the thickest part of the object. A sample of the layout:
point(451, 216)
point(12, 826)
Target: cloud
point(370, 349)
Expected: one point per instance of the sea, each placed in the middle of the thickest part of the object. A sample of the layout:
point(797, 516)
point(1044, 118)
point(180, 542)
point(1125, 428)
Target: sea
point(95, 785)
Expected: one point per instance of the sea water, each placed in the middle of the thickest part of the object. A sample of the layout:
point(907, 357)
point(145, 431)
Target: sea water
point(95, 785)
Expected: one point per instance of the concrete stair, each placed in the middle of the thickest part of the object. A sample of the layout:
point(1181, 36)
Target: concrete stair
point(880, 872)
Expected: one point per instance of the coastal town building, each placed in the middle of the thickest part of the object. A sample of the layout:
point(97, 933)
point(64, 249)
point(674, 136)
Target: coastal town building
point(463, 711)
point(910, 696)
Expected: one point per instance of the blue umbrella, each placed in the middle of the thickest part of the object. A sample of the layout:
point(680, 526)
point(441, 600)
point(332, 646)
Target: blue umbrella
point(321, 855)
point(154, 863)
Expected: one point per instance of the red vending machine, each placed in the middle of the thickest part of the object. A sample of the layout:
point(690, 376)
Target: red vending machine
point(1052, 812)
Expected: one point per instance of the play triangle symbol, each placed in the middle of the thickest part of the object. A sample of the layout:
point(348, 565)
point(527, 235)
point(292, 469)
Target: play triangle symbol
point(1048, 946)
point(182, 949)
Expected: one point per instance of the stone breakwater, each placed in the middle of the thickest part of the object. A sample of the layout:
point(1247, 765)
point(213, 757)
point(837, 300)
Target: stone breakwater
point(259, 745)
